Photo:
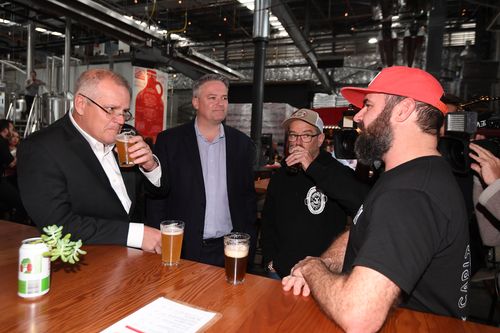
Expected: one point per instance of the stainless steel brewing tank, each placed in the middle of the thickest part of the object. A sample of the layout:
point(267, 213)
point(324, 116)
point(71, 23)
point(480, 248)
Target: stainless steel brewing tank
point(53, 107)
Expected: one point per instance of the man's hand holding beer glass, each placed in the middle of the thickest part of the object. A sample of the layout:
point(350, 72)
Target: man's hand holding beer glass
point(299, 154)
point(133, 150)
point(139, 153)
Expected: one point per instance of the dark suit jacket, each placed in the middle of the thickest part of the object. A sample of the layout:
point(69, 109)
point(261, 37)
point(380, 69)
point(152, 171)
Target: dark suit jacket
point(62, 182)
point(177, 149)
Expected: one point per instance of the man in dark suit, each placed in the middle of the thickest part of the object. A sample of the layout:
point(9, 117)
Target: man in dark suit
point(209, 167)
point(69, 175)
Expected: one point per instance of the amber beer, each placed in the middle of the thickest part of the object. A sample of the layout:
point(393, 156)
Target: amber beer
point(236, 246)
point(172, 233)
point(122, 144)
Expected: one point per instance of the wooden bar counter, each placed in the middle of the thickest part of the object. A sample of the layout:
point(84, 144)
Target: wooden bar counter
point(112, 282)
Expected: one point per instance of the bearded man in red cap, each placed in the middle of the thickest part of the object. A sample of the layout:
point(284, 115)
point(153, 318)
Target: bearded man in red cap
point(408, 244)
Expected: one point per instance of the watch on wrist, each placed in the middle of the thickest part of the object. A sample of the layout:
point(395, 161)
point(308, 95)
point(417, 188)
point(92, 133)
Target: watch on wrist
point(270, 267)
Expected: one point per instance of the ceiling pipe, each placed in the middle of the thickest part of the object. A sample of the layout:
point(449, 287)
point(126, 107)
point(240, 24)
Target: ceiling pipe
point(284, 14)
point(98, 17)
point(29, 51)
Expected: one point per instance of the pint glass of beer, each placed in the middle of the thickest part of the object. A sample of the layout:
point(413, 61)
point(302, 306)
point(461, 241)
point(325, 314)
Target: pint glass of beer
point(122, 144)
point(236, 246)
point(172, 232)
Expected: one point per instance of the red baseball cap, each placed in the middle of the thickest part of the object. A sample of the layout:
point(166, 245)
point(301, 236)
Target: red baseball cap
point(402, 81)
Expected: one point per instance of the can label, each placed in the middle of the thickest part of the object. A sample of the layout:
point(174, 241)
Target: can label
point(33, 268)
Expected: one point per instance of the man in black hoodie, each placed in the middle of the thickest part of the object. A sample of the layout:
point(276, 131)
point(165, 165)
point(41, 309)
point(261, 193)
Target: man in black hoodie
point(307, 204)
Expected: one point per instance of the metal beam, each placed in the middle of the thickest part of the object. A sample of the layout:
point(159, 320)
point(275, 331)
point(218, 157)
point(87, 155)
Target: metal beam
point(285, 15)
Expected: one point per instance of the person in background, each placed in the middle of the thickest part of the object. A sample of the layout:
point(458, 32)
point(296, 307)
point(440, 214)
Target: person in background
point(210, 170)
point(486, 194)
point(10, 200)
point(68, 174)
point(10, 173)
point(305, 211)
point(32, 89)
point(465, 183)
point(408, 244)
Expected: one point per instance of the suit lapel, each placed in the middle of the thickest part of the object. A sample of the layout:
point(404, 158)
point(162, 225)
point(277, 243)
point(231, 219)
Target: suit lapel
point(128, 176)
point(191, 147)
point(230, 164)
point(87, 157)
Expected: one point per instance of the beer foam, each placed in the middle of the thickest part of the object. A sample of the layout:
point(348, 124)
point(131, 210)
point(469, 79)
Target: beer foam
point(236, 251)
point(172, 230)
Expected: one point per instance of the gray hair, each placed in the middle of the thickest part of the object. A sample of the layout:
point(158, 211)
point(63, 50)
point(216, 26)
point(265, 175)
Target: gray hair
point(88, 80)
point(206, 78)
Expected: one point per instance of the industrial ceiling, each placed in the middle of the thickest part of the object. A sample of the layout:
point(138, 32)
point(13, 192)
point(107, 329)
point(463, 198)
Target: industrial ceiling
point(316, 33)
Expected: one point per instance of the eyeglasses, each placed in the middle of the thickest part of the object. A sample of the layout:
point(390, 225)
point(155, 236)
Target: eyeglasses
point(111, 110)
point(304, 137)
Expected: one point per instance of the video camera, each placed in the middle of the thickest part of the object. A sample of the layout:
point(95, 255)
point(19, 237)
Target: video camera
point(345, 137)
point(460, 127)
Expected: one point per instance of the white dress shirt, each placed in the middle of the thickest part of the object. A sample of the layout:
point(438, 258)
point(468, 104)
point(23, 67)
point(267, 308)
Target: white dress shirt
point(104, 154)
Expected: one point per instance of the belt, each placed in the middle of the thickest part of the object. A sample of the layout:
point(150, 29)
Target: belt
point(211, 241)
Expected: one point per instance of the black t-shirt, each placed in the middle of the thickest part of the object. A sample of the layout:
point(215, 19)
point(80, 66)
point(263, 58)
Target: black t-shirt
point(304, 213)
point(413, 229)
point(5, 156)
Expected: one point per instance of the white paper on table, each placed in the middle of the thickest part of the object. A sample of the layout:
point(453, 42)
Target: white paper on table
point(163, 316)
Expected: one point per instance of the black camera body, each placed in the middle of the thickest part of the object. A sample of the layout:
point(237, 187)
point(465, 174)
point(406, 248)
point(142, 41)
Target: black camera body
point(345, 137)
point(454, 145)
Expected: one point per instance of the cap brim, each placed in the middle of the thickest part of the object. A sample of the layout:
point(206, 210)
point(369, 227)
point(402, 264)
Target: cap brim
point(356, 96)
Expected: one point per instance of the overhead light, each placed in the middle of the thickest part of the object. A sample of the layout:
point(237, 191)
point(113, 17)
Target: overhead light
point(273, 20)
point(57, 33)
point(248, 3)
point(372, 40)
point(395, 17)
point(7, 22)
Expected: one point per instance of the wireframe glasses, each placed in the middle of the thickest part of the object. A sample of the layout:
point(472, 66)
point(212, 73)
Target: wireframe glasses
point(304, 137)
point(111, 110)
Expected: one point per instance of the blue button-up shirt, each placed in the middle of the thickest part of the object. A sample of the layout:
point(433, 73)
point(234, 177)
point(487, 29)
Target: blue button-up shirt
point(213, 164)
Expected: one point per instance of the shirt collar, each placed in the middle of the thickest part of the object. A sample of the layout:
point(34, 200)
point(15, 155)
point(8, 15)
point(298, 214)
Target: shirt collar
point(94, 144)
point(199, 134)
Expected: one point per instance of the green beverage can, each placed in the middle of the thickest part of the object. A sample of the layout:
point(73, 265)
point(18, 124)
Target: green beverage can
point(33, 268)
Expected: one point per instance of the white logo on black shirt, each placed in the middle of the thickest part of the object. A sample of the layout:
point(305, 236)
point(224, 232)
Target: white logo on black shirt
point(315, 200)
point(360, 211)
point(462, 301)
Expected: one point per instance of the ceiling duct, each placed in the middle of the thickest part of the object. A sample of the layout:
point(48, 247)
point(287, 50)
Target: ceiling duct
point(285, 15)
point(184, 60)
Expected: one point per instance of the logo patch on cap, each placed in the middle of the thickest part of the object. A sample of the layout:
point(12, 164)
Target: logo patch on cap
point(299, 114)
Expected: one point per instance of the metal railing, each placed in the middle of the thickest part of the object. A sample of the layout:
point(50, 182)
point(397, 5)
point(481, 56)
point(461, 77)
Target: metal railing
point(35, 120)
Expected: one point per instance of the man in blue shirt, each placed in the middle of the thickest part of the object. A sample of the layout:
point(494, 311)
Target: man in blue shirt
point(209, 167)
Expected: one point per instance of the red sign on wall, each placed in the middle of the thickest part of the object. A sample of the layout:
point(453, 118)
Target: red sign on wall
point(149, 101)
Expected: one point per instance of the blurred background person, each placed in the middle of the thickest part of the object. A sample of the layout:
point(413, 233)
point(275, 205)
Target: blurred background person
point(32, 89)
point(10, 200)
point(486, 194)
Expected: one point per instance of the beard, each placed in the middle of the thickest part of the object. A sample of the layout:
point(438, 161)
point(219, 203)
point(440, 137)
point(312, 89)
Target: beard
point(376, 139)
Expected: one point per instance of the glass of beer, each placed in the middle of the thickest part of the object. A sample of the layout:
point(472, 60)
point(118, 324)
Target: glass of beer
point(236, 246)
point(122, 144)
point(172, 232)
